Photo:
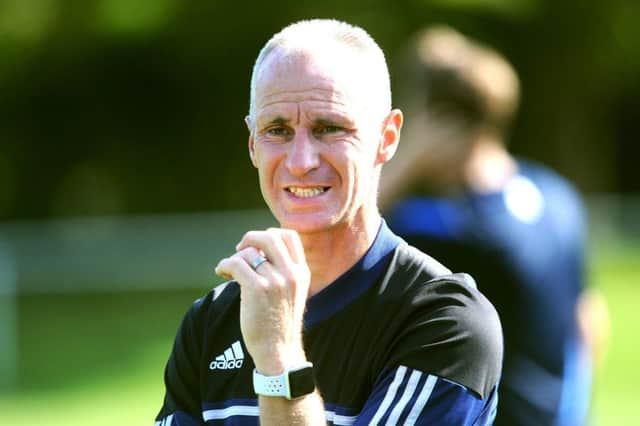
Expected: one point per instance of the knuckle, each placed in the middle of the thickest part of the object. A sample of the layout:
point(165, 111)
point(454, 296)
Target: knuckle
point(278, 282)
point(288, 277)
point(271, 237)
point(290, 233)
point(248, 252)
point(262, 282)
point(249, 235)
point(272, 234)
point(270, 286)
point(273, 230)
point(228, 261)
point(275, 235)
point(235, 257)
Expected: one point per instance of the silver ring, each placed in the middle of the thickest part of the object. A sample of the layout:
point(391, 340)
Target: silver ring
point(255, 263)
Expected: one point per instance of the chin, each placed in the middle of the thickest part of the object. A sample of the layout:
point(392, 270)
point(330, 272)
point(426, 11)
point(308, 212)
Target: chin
point(307, 223)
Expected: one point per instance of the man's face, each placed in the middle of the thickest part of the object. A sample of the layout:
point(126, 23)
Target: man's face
point(315, 141)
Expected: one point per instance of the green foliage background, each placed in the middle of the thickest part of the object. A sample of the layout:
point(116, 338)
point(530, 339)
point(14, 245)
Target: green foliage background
point(120, 107)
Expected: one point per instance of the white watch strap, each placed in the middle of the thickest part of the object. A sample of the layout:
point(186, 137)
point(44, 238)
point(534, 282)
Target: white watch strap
point(271, 385)
point(275, 385)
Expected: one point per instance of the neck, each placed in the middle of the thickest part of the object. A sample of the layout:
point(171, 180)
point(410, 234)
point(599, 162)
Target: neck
point(489, 165)
point(331, 253)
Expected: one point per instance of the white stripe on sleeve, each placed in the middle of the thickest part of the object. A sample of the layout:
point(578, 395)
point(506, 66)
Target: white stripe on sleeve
point(234, 410)
point(409, 390)
point(339, 419)
point(166, 421)
point(390, 395)
point(423, 397)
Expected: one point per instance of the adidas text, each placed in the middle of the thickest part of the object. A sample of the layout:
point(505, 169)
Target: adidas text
point(225, 365)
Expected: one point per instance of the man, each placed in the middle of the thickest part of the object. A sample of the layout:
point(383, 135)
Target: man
point(330, 318)
point(516, 226)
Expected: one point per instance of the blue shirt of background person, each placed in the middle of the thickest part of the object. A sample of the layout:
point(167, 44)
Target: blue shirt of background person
point(454, 191)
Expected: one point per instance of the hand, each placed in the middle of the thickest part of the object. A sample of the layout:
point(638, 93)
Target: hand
point(273, 296)
point(592, 313)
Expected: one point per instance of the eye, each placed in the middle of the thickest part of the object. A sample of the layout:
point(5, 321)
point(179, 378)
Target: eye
point(328, 130)
point(278, 131)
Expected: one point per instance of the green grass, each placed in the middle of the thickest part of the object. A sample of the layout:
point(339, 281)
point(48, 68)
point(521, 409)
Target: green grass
point(92, 359)
point(617, 273)
point(97, 359)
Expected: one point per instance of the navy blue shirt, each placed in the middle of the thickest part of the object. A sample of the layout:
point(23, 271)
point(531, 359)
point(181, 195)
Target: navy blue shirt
point(524, 246)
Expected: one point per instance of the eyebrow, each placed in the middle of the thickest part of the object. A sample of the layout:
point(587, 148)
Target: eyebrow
point(333, 120)
point(323, 121)
point(275, 120)
point(278, 120)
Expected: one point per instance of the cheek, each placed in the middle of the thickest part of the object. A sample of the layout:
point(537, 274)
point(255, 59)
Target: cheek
point(360, 170)
point(365, 161)
point(261, 163)
point(265, 160)
point(259, 159)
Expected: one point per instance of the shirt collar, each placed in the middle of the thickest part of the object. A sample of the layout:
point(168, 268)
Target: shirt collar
point(354, 282)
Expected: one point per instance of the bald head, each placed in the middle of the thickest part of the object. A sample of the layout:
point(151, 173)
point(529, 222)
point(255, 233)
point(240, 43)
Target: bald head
point(335, 45)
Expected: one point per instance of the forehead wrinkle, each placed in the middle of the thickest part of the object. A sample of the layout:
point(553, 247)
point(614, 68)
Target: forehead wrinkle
point(300, 102)
point(300, 96)
point(311, 109)
point(310, 103)
point(315, 116)
point(277, 98)
point(279, 118)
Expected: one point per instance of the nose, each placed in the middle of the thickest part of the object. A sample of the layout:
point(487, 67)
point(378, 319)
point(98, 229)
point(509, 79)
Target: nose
point(303, 155)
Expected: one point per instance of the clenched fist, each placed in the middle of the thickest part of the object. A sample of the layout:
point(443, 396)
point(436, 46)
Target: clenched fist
point(273, 296)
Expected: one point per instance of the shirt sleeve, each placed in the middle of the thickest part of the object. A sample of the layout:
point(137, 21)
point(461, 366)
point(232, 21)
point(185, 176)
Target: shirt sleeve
point(181, 404)
point(412, 397)
point(449, 329)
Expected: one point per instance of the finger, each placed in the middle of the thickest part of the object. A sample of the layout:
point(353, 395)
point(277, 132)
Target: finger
point(236, 267)
point(222, 274)
point(255, 259)
point(270, 242)
point(292, 239)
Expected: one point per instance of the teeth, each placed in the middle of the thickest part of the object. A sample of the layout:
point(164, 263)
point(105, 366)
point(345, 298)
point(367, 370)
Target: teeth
point(305, 192)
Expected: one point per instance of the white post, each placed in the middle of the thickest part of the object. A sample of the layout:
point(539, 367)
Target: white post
point(8, 319)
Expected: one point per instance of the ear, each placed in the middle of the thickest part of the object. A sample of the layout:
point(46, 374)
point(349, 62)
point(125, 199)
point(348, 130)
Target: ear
point(252, 148)
point(390, 136)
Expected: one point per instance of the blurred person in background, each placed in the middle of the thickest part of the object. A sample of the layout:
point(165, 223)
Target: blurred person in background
point(330, 319)
point(454, 191)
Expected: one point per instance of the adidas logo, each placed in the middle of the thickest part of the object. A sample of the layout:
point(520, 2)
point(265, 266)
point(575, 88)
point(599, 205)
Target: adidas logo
point(231, 358)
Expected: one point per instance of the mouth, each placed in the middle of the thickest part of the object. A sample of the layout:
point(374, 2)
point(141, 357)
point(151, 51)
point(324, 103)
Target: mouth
point(307, 192)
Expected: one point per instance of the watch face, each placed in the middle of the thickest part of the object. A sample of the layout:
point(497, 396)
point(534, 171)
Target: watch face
point(301, 382)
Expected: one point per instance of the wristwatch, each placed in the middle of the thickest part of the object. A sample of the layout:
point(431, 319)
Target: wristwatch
point(291, 384)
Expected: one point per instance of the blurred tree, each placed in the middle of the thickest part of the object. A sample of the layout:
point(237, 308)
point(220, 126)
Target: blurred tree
point(112, 106)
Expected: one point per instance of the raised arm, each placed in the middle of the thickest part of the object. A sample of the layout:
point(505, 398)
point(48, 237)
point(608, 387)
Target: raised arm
point(273, 298)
